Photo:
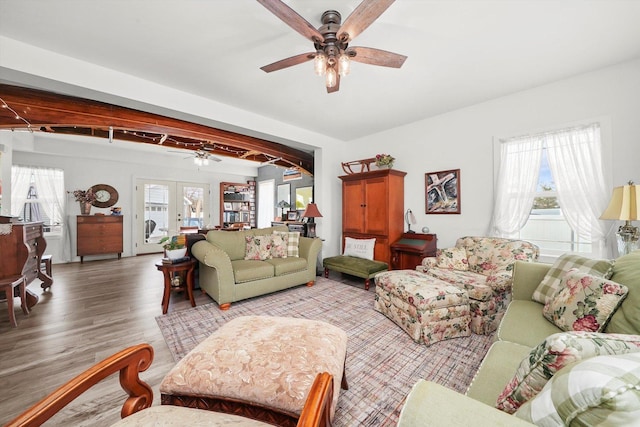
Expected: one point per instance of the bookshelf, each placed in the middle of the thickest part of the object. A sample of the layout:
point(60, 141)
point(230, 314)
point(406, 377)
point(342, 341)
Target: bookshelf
point(238, 204)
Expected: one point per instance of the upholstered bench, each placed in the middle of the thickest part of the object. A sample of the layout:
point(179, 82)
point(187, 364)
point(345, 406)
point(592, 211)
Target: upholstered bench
point(359, 267)
point(260, 367)
point(428, 309)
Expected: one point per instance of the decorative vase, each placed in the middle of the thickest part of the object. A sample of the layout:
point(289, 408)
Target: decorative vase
point(176, 253)
point(85, 208)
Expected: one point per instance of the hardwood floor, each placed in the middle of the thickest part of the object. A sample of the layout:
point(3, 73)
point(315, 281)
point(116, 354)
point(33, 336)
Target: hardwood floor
point(91, 311)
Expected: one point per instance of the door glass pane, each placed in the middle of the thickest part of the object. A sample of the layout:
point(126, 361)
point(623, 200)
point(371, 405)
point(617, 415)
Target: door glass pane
point(156, 213)
point(192, 212)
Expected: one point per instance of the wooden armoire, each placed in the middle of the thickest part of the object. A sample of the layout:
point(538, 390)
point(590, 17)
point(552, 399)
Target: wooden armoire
point(373, 206)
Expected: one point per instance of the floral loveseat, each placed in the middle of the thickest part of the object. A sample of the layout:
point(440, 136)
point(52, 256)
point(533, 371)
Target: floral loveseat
point(482, 266)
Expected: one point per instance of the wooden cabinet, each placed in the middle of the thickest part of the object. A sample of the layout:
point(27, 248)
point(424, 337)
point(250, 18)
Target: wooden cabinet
point(99, 234)
point(373, 206)
point(237, 204)
point(21, 248)
point(408, 251)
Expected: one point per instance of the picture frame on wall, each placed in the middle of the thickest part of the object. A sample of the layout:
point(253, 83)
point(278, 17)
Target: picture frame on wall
point(292, 216)
point(442, 192)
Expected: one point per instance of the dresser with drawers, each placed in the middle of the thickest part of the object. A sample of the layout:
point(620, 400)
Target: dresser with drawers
point(98, 235)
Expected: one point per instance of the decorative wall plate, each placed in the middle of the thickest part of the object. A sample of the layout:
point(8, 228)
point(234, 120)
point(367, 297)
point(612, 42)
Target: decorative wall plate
point(106, 196)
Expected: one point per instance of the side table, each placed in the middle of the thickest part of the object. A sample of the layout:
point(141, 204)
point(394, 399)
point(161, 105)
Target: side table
point(169, 271)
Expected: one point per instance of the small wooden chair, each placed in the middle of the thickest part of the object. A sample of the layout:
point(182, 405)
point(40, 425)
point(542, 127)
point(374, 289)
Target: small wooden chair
point(8, 284)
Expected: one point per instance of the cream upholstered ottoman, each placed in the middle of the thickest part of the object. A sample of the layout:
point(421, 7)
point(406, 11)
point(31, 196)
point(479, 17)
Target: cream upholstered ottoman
point(260, 367)
point(428, 309)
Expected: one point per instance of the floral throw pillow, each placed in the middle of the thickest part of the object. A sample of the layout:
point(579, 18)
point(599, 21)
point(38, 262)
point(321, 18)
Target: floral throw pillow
point(293, 242)
point(555, 352)
point(258, 247)
point(279, 246)
point(453, 259)
point(584, 302)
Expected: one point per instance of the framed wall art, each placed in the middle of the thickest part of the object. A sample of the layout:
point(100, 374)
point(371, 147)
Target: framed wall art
point(442, 192)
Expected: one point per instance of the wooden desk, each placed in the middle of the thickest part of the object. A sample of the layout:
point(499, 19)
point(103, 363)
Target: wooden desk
point(408, 251)
point(169, 271)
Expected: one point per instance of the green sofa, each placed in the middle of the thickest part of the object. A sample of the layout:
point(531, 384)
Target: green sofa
point(227, 277)
point(522, 328)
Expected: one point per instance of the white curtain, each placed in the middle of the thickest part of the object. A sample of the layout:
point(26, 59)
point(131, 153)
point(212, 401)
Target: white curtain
point(20, 182)
point(50, 185)
point(575, 161)
point(517, 179)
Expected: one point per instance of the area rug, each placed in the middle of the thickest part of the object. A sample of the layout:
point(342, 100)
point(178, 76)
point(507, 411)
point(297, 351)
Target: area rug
point(383, 363)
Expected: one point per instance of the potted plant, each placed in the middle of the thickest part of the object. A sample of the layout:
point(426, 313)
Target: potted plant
point(174, 246)
point(85, 198)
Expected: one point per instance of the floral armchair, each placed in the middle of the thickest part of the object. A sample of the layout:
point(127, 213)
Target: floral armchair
point(483, 267)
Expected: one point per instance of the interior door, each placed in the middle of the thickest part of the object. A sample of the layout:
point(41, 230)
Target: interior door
point(167, 208)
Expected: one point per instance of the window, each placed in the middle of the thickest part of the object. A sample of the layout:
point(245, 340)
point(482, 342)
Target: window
point(550, 191)
point(37, 194)
point(546, 225)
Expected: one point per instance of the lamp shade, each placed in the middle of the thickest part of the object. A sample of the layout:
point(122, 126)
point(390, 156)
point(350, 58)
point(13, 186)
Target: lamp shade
point(624, 204)
point(311, 211)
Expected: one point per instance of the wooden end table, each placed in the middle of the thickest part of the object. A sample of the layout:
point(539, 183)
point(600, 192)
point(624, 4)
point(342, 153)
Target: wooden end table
point(169, 271)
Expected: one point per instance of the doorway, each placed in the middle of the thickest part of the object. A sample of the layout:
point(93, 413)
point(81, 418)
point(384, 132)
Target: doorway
point(167, 208)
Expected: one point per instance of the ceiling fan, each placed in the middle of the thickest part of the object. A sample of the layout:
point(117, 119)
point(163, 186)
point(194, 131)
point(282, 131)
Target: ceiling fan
point(331, 40)
point(200, 157)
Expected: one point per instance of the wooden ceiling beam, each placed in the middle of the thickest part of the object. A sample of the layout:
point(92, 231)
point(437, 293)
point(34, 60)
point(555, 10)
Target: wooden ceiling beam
point(51, 112)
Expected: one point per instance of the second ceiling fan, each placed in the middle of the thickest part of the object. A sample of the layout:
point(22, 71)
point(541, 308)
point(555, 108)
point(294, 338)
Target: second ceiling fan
point(331, 41)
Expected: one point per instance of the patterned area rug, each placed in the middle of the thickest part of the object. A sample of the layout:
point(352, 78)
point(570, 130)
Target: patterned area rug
point(383, 363)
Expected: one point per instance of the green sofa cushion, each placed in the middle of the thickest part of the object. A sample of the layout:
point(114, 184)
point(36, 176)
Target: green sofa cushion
point(497, 368)
point(626, 320)
point(248, 270)
point(287, 265)
point(523, 323)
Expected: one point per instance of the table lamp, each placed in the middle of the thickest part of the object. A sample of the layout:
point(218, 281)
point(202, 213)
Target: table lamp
point(625, 206)
point(282, 204)
point(311, 212)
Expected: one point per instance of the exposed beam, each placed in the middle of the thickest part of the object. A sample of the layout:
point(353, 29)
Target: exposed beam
point(51, 112)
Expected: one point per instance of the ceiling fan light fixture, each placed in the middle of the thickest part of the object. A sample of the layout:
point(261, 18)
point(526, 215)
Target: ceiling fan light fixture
point(320, 63)
point(331, 77)
point(344, 64)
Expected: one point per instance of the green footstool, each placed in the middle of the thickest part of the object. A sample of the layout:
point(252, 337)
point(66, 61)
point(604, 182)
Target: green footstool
point(354, 266)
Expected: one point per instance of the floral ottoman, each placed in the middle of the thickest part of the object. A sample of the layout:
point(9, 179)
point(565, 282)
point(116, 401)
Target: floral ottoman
point(260, 367)
point(428, 309)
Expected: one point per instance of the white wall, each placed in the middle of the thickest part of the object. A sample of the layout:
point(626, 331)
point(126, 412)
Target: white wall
point(463, 139)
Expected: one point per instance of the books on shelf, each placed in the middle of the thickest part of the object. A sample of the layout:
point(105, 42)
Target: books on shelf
point(166, 260)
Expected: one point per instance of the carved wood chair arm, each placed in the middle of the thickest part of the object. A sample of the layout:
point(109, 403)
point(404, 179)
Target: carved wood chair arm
point(316, 411)
point(130, 362)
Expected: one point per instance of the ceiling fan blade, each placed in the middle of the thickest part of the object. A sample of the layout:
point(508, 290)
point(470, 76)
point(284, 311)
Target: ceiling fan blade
point(363, 15)
point(336, 87)
point(369, 55)
point(288, 62)
point(292, 19)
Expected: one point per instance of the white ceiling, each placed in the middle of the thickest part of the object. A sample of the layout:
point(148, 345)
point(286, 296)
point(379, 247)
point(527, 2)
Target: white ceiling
point(459, 52)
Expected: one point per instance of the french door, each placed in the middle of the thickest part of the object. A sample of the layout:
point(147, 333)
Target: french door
point(167, 208)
